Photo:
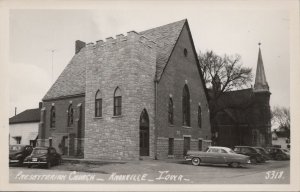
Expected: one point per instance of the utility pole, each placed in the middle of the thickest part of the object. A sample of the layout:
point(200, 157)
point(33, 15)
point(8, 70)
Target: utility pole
point(52, 55)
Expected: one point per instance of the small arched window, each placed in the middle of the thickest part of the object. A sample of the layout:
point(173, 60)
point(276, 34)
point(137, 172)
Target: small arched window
point(171, 111)
point(186, 118)
point(70, 115)
point(199, 116)
point(52, 117)
point(98, 104)
point(117, 102)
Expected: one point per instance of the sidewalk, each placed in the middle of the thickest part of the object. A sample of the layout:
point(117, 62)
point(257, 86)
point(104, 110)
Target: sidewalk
point(106, 161)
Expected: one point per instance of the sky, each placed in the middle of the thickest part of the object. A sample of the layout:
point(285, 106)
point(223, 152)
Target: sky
point(234, 27)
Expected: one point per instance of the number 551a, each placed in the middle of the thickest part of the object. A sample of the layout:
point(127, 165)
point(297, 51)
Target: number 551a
point(274, 174)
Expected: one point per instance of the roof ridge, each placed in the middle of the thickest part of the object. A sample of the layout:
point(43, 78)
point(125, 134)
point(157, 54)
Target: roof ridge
point(163, 25)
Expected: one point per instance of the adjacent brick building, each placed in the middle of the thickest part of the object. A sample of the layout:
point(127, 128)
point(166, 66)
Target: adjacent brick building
point(245, 115)
point(129, 97)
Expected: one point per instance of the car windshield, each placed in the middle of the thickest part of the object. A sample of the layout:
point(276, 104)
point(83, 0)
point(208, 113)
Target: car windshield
point(14, 148)
point(39, 151)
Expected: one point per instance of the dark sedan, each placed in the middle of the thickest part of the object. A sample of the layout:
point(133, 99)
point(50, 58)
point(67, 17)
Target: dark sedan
point(255, 157)
point(17, 153)
point(263, 152)
point(278, 153)
point(43, 156)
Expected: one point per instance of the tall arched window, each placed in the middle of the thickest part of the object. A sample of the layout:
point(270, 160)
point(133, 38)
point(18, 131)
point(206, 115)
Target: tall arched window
point(117, 102)
point(98, 104)
point(171, 111)
point(70, 115)
point(199, 116)
point(186, 118)
point(52, 117)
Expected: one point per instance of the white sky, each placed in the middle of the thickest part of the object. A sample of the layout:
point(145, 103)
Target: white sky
point(226, 27)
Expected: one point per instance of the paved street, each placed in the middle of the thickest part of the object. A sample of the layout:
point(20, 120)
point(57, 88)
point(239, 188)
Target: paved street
point(151, 171)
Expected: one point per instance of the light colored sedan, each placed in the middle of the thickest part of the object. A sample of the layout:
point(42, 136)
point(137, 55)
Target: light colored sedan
point(217, 155)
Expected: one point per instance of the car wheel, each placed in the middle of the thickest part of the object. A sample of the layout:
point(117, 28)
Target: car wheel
point(29, 166)
point(20, 163)
point(253, 160)
point(59, 161)
point(48, 165)
point(235, 165)
point(279, 157)
point(196, 161)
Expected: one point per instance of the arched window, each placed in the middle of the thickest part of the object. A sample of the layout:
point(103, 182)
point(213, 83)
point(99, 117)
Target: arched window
point(98, 104)
point(199, 116)
point(52, 117)
point(117, 102)
point(70, 115)
point(186, 119)
point(171, 111)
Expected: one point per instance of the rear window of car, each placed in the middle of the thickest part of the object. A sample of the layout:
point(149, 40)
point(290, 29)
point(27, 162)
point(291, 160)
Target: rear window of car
point(15, 148)
point(39, 151)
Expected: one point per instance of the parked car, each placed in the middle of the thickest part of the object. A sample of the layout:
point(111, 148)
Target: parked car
point(278, 153)
point(263, 152)
point(255, 157)
point(17, 153)
point(44, 156)
point(217, 155)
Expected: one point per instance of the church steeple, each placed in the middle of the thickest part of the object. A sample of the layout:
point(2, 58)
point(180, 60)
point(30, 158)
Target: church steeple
point(261, 83)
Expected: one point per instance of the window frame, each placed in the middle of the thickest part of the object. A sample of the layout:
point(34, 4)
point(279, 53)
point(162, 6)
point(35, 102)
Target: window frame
point(186, 107)
point(70, 122)
point(171, 111)
point(98, 104)
point(199, 116)
point(52, 117)
point(117, 110)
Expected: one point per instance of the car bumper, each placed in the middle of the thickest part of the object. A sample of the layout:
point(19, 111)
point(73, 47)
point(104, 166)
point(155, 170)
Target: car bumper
point(12, 161)
point(37, 163)
point(188, 158)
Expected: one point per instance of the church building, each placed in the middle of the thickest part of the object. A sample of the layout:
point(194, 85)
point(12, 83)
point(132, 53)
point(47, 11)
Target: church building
point(130, 97)
point(245, 116)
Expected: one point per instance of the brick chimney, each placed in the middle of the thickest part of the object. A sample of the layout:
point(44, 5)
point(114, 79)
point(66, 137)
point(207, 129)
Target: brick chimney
point(40, 105)
point(79, 45)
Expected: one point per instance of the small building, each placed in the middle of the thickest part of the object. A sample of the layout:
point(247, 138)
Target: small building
point(244, 116)
point(136, 96)
point(24, 127)
point(281, 139)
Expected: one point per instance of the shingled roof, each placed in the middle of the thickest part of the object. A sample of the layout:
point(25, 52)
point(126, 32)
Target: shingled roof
point(72, 80)
point(27, 116)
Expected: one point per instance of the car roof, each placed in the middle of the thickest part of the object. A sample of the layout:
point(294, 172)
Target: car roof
point(219, 147)
point(41, 147)
point(244, 146)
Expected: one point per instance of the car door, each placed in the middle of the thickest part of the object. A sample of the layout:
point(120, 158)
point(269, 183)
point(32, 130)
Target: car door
point(213, 156)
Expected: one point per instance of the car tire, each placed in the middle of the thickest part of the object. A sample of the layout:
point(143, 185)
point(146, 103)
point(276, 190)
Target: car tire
point(29, 166)
point(48, 165)
point(235, 165)
point(253, 160)
point(59, 161)
point(196, 161)
point(279, 157)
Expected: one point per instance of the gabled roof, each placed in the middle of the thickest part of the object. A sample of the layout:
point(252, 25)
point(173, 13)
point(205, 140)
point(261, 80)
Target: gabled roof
point(27, 116)
point(165, 37)
point(71, 82)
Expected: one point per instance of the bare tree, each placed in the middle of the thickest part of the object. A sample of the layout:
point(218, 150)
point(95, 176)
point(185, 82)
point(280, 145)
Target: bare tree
point(281, 117)
point(222, 74)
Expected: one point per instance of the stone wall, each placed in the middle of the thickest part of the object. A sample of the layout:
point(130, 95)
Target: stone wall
point(127, 62)
point(179, 71)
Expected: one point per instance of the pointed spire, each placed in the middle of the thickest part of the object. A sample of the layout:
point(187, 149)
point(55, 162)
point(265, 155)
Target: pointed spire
point(261, 83)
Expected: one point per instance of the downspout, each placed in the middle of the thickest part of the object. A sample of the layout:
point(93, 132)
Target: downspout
point(155, 120)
